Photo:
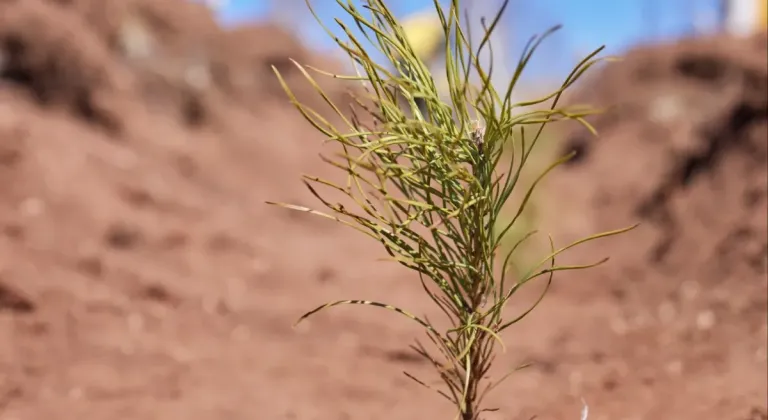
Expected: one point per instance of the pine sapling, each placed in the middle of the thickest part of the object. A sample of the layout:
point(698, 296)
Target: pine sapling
point(429, 179)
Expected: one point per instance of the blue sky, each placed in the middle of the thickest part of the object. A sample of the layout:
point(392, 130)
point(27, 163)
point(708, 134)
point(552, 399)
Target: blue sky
point(587, 24)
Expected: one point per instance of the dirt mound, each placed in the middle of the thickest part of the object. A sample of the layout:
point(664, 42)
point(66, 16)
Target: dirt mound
point(684, 143)
point(94, 56)
point(140, 270)
point(683, 149)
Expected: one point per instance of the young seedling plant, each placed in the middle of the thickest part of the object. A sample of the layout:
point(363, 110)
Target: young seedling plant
point(430, 182)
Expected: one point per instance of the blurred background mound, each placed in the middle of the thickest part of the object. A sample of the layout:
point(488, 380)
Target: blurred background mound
point(682, 149)
point(142, 276)
point(684, 137)
point(88, 55)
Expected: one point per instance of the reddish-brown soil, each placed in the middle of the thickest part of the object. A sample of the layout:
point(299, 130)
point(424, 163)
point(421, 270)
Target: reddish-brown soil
point(674, 326)
point(143, 277)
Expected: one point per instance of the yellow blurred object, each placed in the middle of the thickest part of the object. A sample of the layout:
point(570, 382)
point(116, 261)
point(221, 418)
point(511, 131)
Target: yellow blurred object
point(762, 10)
point(425, 33)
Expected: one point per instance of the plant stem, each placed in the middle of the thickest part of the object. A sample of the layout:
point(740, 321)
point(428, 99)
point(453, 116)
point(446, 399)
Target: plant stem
point(475, 374)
